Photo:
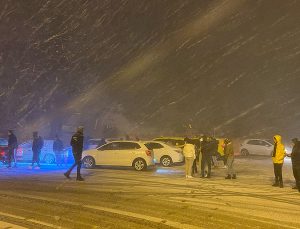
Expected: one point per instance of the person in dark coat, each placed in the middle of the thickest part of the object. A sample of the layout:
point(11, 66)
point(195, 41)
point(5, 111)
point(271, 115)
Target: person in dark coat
point(77, 147)
point(295, 157)
point(58, 148)
point(12, 147)
point(37, 145)
point(206, 149)
point(196, 143)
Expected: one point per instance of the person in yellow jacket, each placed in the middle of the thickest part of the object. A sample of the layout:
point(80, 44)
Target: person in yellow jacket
point(278, 159)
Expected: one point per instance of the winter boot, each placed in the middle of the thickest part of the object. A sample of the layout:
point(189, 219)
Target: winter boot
point(67, 175)
point(276, 184)
point(281, 184)
point(80, 179)
point(228, 176)
point(234, 176)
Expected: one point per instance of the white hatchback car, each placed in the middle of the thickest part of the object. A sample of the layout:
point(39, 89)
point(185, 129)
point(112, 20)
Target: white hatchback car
point(165, 154)
point(120, 153)
point(257, 147)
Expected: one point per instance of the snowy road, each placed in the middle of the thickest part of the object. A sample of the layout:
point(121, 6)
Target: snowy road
point(162, 198)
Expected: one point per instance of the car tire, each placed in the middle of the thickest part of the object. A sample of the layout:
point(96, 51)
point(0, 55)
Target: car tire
point(49, 158)
point(139, 164)
point(166, 161)
point(245, 152)
point(88, 162)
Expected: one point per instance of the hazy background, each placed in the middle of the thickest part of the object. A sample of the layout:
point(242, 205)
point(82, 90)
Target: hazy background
point(150, 67)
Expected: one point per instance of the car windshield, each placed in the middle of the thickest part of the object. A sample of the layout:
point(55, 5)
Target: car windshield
point(3, 142)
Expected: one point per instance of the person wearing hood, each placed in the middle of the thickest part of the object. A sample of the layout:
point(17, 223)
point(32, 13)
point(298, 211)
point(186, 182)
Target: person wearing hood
point(12, 147)
point(190, 155)
point(77, 147)
point(278, 159)
point(295, 157)
point(229, 154)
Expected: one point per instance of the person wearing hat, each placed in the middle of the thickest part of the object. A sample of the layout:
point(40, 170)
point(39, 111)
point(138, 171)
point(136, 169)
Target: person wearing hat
point(77, 147)
point(37, 145)
point(12, 146)
point(295, 157)
point(229, 154)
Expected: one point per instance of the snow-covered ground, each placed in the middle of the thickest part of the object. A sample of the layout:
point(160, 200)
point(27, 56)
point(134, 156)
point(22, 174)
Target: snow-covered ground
point(161, 198)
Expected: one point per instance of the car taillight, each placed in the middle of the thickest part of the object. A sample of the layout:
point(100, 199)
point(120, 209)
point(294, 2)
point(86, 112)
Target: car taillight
point(148, 152)
point(2, 153)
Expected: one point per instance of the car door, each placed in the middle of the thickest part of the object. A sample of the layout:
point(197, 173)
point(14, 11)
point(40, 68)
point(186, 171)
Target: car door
point(158, 150)
point(125, 153)
point(105, 154)
point(251, 146)
point(266, 149)
point(26, 151)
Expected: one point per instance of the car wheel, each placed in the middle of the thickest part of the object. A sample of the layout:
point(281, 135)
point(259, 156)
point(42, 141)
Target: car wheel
point(139, 164)
point(49, 158)
point(245, 152)
point(166, 161)
point(88, 162)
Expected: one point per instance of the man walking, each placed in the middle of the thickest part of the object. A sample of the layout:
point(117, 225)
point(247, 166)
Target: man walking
point(295, 156)
point(229, 154)
point(37, 145)
point(77, 147)
point(12, 147)
point(58, 147)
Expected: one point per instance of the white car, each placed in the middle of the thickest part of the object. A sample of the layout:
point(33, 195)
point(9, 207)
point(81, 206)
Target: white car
point(165, 154)
point(257, 147)
point(120, 153)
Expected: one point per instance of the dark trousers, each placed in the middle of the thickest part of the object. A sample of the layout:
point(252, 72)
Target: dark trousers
point(77, 158)
point(206, 160)
point(278, 172)
point(296, 172)
point(194, 168)
point(11, 156)
point(36, 157)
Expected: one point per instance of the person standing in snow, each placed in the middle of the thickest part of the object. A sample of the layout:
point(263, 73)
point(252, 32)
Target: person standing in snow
point(189, 155)
point(207, 150)
point(37, 145)
point(278, 159)
point(295, 156)
point(58, 147)
point(77, 147)
point(12, 147)
point(229, 154)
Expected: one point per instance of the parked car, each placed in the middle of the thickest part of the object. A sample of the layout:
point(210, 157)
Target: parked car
point(257, 147)
point(165, 154)
point(3, 150)
point(120, 153)
point(24, 152)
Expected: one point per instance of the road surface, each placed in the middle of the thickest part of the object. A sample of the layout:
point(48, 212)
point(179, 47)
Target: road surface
point(161, 198)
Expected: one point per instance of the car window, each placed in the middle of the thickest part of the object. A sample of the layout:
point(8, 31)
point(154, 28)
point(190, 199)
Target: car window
point(109, 146)
point(254, 142)
point(127, 145)
point(153, 145)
